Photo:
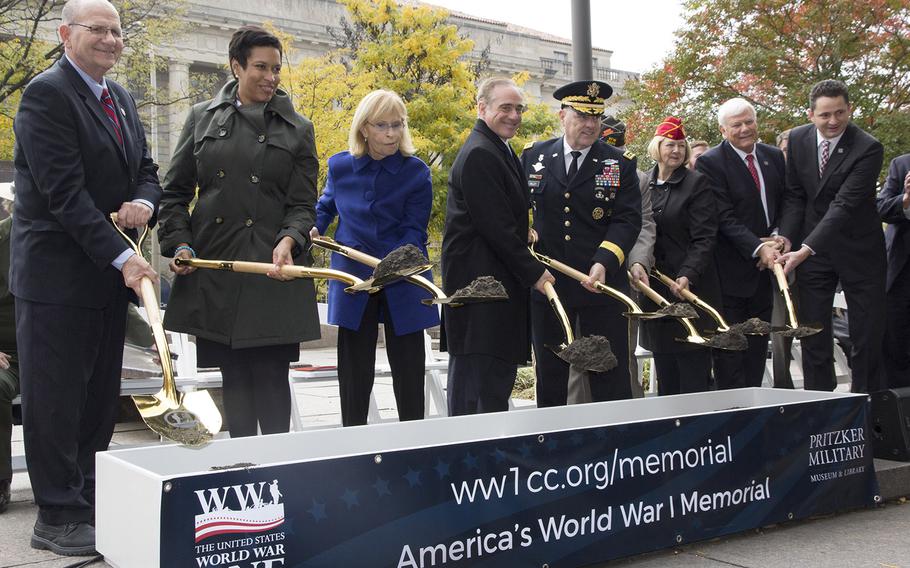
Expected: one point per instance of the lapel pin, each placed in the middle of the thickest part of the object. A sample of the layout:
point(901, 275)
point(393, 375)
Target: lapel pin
point(764, 162)
point(554, 155)
point(840, 150)
point(123, 112)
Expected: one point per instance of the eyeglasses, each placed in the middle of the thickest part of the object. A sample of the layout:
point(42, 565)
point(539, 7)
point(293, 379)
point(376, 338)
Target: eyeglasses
point(101, 31)
point(510, 108)
point(387, 126)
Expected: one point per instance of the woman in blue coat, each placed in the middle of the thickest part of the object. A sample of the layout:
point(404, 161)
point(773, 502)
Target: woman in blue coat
point(382, 196)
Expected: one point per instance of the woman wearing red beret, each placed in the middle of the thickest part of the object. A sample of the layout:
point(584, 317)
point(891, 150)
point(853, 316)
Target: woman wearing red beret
point(684, 212)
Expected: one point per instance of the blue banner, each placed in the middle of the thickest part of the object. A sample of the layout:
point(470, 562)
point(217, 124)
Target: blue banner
point(566, 498)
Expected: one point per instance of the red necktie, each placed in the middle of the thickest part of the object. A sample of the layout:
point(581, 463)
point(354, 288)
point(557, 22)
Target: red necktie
point(824, 159)
point(108, 105)
point(750, 163)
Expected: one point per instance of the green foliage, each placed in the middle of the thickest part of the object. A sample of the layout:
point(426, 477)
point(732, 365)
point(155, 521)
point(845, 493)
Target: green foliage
point(771, 52)
point(413, 51)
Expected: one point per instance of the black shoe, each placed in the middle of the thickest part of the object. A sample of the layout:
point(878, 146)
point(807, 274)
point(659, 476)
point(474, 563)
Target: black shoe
point(4, 494)
point(71, 539)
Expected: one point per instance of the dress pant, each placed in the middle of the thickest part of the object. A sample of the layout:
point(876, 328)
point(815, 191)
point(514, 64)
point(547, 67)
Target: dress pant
point(780, 345)
point(740, 369)
point(9, 389)
point(683, 372)
point(553, 373)
point(864, 288)
point(478, 383)
point(896, 347)
point(357, 366)
point(70, 359)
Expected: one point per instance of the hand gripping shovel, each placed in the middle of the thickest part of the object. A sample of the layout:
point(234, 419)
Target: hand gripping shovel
point(725, 333)
point(693, 336)
point(264, 268)
point(483, 289)
point(188, 418)
point(793, 328)
point(634, 310)
point(589, 353)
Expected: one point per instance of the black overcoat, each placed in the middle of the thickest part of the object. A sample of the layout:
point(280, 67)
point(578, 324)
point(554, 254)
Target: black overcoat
point(485, 234)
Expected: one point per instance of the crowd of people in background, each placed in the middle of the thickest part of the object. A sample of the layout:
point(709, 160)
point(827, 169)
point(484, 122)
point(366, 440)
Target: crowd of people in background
point(242, 185)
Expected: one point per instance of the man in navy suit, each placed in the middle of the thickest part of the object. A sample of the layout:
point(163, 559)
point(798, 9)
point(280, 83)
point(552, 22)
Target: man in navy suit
point(587, 211)
point(829, 207)
point(80, 155)
point(747, 178)
point(894, 207)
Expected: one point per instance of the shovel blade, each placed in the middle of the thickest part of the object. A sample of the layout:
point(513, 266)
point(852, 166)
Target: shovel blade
point(173, 420)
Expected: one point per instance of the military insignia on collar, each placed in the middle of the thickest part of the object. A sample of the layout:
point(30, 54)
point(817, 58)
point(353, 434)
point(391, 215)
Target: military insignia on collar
point(593, 90)
point(598, 213)
point(528, 145)
point(629, 155)
point(556, 154)
point(538, 166)
point(540, 158)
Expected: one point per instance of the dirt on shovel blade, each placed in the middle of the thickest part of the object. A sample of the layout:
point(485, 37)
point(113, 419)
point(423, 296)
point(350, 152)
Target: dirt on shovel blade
point(484, 287)
point(399, 261)
point(729, 340)
point(752, 326)
point(591, 353)
point(678, 310)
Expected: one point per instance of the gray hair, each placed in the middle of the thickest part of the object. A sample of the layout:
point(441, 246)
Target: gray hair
point(73, 8)
point(487, 86)
point(733, 107)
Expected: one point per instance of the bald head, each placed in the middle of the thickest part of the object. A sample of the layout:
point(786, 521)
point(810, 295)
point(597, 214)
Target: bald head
point(73, 9)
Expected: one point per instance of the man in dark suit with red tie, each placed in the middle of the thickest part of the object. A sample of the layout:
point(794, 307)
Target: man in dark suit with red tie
point(894, 207)
point(747, 178)
point(80, 155)
point(829, 207)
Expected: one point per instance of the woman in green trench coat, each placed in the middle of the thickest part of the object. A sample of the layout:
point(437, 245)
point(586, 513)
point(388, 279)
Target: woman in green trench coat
point(253, 159)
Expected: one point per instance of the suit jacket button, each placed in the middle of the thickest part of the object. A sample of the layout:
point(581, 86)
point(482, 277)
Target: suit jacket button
point(219, 220)
point(254, 178)
point(568, 223)
point(566, 209)
point(248, 222)
point(566, 195)
point(568, 237)
point(222, 133)
point(220, 173)
point(261, 138)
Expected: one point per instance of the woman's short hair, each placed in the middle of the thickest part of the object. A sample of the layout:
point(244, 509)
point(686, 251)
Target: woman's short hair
point(375, 106)
point(246, 38)
point(654, 149)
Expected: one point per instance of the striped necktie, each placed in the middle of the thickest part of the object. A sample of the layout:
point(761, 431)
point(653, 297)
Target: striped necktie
point(108, 105)
point(823, 161)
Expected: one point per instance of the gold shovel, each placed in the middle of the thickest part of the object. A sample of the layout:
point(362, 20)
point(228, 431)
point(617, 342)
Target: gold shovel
point(793, 328)
point(189, 418)
point(574, 352)
point(439, 296)
point(372, 284)
point(693, 336)
point(634, 310)
point(753, 326)
point(293, 271)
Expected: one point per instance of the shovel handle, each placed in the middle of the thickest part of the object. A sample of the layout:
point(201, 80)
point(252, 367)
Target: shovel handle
point(690, 296)
point(553, 298)
point(373, 262)
point(694, 336)
point(581, 277)
point(785, 290)
point(249, 267)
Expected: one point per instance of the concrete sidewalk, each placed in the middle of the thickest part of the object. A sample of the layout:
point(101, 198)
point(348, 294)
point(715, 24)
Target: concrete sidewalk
point(865, 538)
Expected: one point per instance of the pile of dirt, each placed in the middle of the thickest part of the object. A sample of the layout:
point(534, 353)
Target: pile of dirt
point(678, 310)
point(592, 353)
point(402, 260)
point(482, 288)
point(728, 340)
point(752, 326)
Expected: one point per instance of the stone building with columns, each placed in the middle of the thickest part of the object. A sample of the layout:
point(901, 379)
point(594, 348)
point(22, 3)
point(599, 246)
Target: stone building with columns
point(510, 49)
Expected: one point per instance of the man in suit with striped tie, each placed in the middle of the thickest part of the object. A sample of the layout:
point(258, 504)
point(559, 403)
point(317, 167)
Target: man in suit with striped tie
point(80, 155)
point(829, 215)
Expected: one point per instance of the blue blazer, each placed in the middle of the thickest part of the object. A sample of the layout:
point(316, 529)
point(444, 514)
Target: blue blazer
point(381, 205)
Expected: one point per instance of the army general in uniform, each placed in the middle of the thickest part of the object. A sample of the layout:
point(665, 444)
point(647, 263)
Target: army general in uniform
point(587, 213)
